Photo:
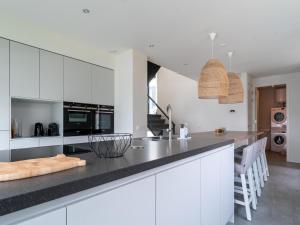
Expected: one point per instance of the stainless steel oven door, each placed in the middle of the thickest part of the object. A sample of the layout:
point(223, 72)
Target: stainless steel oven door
point(77, 120)
point(104, 122)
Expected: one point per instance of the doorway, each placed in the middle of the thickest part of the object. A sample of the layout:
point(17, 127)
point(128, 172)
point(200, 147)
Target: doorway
point(272, 117)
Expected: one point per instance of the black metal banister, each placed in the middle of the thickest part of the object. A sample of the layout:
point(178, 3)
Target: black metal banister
point(162, 111)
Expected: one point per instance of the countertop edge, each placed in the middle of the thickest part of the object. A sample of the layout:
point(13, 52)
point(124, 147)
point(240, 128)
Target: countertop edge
point(19, 202)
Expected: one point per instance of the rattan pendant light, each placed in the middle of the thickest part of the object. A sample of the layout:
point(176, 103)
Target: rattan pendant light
point(213, 81)
point(236, 91)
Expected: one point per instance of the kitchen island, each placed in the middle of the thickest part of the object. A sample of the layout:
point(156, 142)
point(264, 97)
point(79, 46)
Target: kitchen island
point(165, 182)
point(240, 137)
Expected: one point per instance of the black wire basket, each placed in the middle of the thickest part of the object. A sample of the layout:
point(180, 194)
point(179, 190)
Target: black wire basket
point(110, 145)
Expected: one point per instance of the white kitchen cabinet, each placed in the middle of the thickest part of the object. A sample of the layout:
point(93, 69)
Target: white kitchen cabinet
point(178, 195)
point(4, 140)
point(76, 140)
point(24, 71)
point(210, 189)
point(18, 143)
point(227, 185)
point(77, 81)
point(57, 217)
point(4, 84)
point(51, 76)
point(132, 204)
point(102, 86)
point(51, 141)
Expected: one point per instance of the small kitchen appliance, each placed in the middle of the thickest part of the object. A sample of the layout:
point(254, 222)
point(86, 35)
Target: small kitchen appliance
point(53, 129)
point(38, 129)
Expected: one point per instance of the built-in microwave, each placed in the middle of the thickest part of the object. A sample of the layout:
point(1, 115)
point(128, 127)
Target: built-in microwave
point(77, 119)
point(103, 119)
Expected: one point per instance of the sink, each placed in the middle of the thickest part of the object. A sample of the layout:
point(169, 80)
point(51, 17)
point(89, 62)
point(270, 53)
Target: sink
point(156, 138)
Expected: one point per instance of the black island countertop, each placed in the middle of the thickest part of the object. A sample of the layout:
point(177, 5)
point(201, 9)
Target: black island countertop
point(21, 194)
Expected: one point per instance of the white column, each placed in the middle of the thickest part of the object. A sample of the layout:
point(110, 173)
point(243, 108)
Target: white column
point(131, 93)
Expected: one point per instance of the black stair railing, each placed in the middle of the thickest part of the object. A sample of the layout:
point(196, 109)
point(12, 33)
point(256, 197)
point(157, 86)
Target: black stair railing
point(162, 112)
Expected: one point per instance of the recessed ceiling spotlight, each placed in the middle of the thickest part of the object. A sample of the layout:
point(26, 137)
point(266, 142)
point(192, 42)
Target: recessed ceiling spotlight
point(223, 44)
point(151, 46)
point(86, 11)
point(113, 51)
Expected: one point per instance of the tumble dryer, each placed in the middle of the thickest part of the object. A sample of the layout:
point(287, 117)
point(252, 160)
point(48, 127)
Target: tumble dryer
point(279, 118)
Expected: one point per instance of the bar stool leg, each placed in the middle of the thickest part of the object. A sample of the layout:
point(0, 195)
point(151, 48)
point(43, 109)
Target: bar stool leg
point(251, 186)
point(266, 161)
point(260, 173)
point(264, 167)
point(256, 179)
point(246, 199)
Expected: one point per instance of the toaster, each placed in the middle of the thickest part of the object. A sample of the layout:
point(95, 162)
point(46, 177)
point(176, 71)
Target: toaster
point(53, 129)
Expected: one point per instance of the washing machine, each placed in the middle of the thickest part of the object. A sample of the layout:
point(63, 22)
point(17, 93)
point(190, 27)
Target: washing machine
point(279, 142)
point(278, 119)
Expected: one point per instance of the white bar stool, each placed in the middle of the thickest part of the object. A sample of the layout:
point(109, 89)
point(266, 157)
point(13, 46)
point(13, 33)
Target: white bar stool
point(255, 170)
point(243, 170)
point(258, 162)
point(263, 158)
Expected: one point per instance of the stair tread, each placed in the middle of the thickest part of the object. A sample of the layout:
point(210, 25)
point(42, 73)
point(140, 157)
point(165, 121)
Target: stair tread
point(157, 120)
point(154, 115)
point(160, 125)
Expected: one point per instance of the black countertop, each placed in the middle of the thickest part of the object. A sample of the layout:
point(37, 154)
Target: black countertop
point(21, 194)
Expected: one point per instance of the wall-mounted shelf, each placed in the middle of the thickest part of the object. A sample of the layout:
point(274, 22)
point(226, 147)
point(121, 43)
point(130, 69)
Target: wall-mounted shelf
point(27, 112)
point(31, 142)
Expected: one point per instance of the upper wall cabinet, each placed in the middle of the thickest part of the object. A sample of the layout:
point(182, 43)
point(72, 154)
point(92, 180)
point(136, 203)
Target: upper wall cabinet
point(77, 81)
point(24, 71)
point(102, 86)
point(4, 84)
point(51, 76)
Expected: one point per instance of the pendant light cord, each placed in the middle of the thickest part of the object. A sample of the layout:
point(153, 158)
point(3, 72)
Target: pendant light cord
point(212, 37)
point(230, 60)
point(212, 48)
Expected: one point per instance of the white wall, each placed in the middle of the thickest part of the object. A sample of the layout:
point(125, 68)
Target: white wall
point(26, 33)
point(123, 93)
point(292, 81)
point(140, 94)
point(200, 114)
point(251, 105)
point(131, 93)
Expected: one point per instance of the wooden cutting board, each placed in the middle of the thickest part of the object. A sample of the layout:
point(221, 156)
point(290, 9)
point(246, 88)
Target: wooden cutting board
point(36, 167)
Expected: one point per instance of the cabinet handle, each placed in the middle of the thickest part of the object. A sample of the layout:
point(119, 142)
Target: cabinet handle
point(78, 110)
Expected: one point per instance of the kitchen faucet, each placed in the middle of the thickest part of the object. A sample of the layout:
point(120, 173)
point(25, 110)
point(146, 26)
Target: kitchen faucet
point(169, 112)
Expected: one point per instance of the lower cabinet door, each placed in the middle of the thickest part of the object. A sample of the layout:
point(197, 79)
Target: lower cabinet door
point(227, 185)
point(50, 141)
point(4, 140)
point(57, 217)
point(132, 204)
point(210, 189)
point(178, 195)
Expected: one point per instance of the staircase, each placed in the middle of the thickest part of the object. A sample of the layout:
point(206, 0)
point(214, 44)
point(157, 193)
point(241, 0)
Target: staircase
point(156, 124)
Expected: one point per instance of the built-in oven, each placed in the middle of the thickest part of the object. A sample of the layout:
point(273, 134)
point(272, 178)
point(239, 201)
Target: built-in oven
point(77, 119)
point(103, 119)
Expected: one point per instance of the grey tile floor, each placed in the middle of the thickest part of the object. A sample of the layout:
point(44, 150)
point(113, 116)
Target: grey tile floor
point(280, 200)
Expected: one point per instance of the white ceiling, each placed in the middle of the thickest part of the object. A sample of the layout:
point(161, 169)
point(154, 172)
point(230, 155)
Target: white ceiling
point(263, 34)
